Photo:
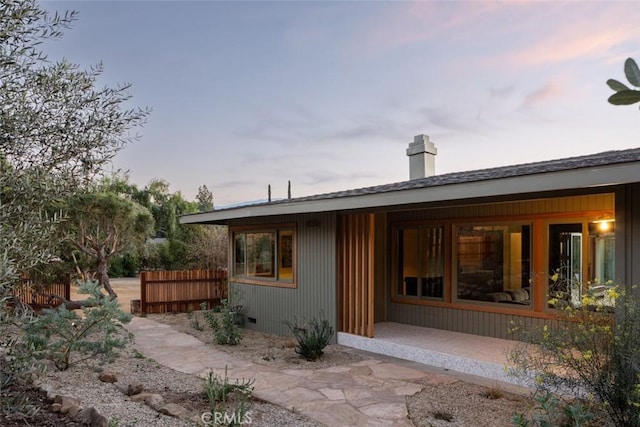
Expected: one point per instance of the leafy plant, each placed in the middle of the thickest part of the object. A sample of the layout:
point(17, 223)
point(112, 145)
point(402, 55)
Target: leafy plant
point(195, 324)
point(229, 401)
point(59, 333)
point(592, 355)
point(225, 331)
point(17, 367)
point(550, 411)
point(312, 337)
point(625, 95)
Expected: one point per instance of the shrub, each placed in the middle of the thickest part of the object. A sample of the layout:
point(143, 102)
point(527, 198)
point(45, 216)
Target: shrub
point(17, 367)
point(550, 411)
point(225, 331)
point(59, 333)
point(312, 337)
point(591, 355)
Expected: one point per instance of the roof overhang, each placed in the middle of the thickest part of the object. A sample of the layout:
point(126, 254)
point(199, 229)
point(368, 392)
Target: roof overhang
point(582, 178)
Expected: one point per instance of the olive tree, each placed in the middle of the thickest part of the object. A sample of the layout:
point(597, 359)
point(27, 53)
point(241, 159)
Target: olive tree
point(102, 223)
point(58, 130)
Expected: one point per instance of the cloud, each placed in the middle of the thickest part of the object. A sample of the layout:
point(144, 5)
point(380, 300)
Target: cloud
point(401, 24)
point(515, 33)
point(550, 90)
point(456, 120)
point(573, 31)
point(571, 45)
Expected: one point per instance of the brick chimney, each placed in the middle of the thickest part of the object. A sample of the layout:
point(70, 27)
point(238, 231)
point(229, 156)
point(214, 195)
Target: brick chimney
point(422, 157)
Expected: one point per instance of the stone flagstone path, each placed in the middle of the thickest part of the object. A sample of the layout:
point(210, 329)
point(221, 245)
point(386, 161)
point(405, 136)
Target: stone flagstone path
point(366, 393)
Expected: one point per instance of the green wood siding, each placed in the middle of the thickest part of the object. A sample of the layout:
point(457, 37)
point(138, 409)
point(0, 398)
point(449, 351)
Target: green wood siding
point(495, 325)
point(315, 293)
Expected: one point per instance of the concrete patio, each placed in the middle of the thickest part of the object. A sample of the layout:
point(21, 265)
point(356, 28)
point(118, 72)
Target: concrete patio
point(452, 351)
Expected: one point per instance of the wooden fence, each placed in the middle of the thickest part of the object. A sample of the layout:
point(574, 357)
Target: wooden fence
point(36, 295)
point(181, 291)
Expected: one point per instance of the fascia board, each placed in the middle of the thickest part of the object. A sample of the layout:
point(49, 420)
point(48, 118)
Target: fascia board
point(562, 180)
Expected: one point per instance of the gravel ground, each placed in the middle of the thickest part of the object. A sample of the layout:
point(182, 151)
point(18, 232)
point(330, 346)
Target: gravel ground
point(187, 390)
point(460, 404)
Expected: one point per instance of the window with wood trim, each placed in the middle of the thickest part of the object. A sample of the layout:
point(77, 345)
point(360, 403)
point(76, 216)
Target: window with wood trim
point(493, 263)
point(421, 262)
point(581, 262)
point(264, 255)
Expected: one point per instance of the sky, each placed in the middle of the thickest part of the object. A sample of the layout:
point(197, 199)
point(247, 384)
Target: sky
point(328, 94)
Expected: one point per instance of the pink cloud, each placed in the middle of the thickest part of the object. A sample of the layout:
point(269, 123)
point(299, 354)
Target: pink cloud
point(561, 47)
point(550, 90)
point(517, 33)
point(413, 22)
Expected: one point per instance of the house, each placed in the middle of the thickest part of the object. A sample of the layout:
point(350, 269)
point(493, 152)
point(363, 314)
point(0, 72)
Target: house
point(467, 251)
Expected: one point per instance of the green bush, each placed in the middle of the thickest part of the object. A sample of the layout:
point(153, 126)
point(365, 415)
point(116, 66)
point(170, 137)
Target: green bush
point(591, 355)
point(225, 331)
point(550, 411)
point(66, 338)
point(312, 337)
point(126, 265)
point(17, 367)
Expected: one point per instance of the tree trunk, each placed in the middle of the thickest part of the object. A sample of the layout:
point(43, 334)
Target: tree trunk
point(103, 275)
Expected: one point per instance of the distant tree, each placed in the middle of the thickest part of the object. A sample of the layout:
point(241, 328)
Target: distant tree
point(102, 224)
point(208, 249)
point(625, 95)
point(204, 198)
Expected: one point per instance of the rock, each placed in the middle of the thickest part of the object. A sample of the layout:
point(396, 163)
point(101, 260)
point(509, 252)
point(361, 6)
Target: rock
point(134, 388)
point(92, 418)
point(67, 404)
point(49, 390)
point(140, 397)
point(73, 411)
point(154, 401)
point(108, 377)
point(173, 410)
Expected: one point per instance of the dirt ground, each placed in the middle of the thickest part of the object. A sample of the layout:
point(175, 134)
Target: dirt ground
point(127, 288)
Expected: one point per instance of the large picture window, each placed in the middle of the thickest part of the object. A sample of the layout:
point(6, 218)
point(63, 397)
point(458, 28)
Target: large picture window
point(264, 255)
point(493, 263)
point(421, 254)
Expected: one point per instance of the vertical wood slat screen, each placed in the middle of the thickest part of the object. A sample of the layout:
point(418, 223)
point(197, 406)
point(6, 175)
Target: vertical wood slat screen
point(356, 280)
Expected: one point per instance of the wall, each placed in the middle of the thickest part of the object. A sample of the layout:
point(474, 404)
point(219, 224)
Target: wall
point(315, 293)
point(628, 237)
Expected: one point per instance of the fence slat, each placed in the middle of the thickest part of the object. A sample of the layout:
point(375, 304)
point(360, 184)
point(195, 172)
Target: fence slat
point(35, 294)
point(181, 291)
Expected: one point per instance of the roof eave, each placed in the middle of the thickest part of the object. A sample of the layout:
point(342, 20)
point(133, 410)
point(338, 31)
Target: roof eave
point(549, 181)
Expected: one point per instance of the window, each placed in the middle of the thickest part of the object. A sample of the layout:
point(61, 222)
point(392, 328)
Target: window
point(264, 255)
point(581, 261)
point(421, 262)
point(493, 263)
